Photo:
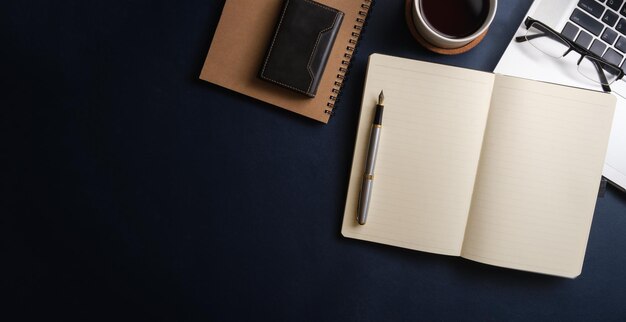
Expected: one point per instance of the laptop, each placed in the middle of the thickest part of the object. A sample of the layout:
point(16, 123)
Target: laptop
point(598, 25)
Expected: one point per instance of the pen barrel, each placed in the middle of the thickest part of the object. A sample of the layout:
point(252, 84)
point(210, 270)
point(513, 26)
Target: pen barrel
point(364, 200)
point(368, 175)
point(372, 151)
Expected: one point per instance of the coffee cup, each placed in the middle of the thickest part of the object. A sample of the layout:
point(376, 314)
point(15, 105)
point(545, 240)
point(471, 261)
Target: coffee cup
point(452, 24)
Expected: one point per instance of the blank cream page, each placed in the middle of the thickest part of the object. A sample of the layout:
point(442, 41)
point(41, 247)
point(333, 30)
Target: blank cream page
point(433, 125)
point(538, 176)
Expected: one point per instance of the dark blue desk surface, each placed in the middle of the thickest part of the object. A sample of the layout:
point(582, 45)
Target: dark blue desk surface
point(146, 193)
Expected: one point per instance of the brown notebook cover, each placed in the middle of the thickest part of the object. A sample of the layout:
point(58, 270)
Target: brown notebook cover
point(240, 44)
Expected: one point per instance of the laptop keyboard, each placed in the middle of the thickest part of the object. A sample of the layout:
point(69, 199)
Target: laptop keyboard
point(600, 26)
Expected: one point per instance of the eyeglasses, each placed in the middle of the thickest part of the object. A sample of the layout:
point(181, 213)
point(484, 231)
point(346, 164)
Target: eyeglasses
point(554, 44)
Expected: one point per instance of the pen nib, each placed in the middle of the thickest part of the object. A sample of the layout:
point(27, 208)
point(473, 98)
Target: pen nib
point(381, 98)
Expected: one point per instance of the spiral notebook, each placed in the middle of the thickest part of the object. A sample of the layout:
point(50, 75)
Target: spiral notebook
point(240, 43)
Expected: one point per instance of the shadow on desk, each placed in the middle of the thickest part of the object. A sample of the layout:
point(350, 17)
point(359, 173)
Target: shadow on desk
point(619, 194)
point(454, 269)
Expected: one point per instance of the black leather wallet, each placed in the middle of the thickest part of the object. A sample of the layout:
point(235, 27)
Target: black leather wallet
point(302, 42)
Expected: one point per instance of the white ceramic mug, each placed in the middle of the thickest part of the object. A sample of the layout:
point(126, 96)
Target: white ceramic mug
point(441, 40)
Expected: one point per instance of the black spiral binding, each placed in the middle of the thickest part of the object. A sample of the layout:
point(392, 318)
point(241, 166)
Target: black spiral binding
point(351, 47)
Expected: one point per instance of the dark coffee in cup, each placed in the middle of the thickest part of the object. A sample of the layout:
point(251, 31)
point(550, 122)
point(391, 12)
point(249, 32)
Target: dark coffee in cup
point(455, 18)
point(451, 24)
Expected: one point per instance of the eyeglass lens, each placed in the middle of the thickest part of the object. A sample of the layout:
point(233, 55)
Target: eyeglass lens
point(546, 41)
point(589, 66)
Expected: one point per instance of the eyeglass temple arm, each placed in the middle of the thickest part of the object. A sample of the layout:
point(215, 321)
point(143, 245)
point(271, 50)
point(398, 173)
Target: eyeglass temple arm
point(601, 75)
point(527, 22)
point(529, 37)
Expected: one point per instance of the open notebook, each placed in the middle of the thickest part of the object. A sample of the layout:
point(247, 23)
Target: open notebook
point(493, 168)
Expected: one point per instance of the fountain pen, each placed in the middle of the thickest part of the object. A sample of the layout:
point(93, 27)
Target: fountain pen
point(368, 175)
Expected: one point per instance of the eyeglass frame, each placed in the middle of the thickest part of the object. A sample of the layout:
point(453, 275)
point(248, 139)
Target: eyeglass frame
point(582, 51)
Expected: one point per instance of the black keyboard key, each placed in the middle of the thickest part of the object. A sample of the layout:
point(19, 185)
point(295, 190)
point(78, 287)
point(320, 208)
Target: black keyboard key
point(613, 56)
point(614, 4)
point(570, 31)
point(621, 44)
point(591, 6)
point(587, 22)
point(621, 26)
point(609, 36)
point(597, 48)
point(584, 39)
point(623, 11)
point(610, 18)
